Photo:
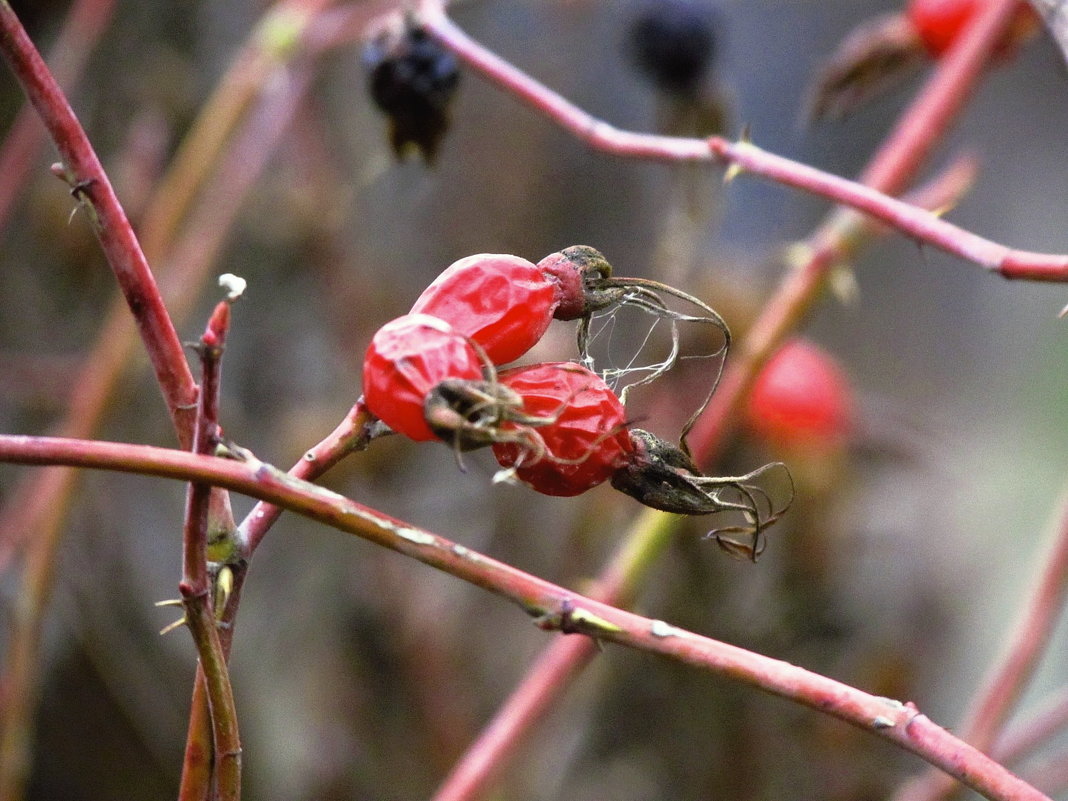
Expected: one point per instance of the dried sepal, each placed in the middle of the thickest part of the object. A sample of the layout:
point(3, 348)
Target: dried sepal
point(661, 475)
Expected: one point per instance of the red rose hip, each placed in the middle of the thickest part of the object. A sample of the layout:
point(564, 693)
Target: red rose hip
point(586, 440)
point(938, 23)
point(407, 358)
point(503, 302)
point(801, 398)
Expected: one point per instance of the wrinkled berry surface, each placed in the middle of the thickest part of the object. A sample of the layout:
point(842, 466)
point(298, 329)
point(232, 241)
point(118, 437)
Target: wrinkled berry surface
point(586, 443)
point(405, 360)
point(503, 302)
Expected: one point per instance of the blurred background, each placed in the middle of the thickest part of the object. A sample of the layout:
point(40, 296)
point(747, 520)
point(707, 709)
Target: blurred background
point(362, 675)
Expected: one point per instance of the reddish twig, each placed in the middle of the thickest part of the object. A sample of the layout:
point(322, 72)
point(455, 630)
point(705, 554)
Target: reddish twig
point(351, 434)
point(1028, 735)
point(196, 585)
point(37, 508)
point(553, 606)
point(90, 187)
point(85, 22)
point(501, 740)
point(868, 196)
point(890, 171)
point(1006, 681)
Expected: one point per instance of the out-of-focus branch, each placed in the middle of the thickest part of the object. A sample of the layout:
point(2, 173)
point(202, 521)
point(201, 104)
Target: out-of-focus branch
point(90, 186)
point(836, 240)
point(1008, 678)
point(1028, 735)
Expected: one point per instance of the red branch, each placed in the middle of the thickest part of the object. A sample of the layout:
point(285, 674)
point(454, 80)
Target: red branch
point(90, 186)
point(553, 606)
point(196, 585)
point(600, 135)
point(84, 23)
point(1007, 680)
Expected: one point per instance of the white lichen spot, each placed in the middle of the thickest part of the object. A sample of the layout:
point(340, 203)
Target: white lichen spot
point(415, 535)
point(234, 285)
point(662, 629)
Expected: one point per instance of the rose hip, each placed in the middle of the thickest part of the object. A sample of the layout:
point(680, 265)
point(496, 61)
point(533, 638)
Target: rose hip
point(406, 359)
point(801, 399)
point(938, 23)
point(585, 438)
point(503, 302)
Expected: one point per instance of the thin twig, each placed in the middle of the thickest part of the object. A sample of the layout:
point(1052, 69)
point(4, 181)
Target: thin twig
point(1028, 735)
point(91, 188)
point(196, 585)
point(865, 196)
point(85, 22)
point(552, 606)
point(1007, 679)
point(835, 242)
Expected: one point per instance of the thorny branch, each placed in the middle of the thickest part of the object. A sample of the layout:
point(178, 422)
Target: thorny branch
point(900, 723)
point(744, 156)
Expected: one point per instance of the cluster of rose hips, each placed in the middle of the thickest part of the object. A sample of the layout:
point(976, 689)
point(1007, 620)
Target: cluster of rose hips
point(557, 427)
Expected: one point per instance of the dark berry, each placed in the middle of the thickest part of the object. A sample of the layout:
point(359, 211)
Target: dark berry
point(672, 42)
point(413, 81)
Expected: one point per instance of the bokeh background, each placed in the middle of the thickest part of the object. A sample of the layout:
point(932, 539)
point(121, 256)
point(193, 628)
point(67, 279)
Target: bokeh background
point(362, 675)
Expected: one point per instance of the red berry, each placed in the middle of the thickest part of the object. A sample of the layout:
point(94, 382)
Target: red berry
point(503, 302)
point(939, 22)
point(586, 440)
point(801, 398)
point(405, 360)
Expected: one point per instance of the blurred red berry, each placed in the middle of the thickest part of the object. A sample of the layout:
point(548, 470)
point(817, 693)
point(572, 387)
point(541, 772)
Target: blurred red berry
point(939, 22)
point(586, 440)
point(407, 358)
point(801, 398)
point(503, 302)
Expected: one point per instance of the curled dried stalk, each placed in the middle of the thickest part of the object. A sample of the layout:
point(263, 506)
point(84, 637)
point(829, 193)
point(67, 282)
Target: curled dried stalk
point(648, 296)
point(665, 477)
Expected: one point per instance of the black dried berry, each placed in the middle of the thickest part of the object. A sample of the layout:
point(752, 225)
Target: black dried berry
point(672, 43)
point(413, 81)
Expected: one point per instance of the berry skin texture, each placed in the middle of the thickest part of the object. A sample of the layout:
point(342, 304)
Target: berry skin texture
point(407, 358)
point(504, 303)
point(938, 23)
point(587, 440)
point(801, 399)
